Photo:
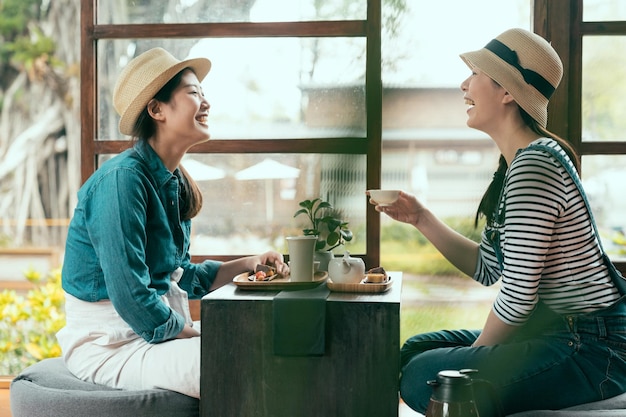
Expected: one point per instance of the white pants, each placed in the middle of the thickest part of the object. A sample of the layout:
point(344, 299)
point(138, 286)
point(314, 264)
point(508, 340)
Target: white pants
point(98, 346)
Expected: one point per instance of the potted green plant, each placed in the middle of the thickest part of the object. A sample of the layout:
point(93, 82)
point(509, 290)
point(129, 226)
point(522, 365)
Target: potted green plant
point(324, 222)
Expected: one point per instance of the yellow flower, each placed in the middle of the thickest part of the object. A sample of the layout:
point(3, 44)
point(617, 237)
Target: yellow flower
point(32, 275)
point(6, 346)
point(54, 277)
point(35, 351)
point(7, 297)
point(28, 324)
point(55, 351)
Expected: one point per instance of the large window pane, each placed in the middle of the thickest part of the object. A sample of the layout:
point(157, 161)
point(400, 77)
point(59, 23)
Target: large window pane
point(430, 35)
point(427, 147)
point(261, 88)
point(604, 10)
point(228, 11)
point(250, 200)
point(604, 177)
point(445, 174)
point(604, 88)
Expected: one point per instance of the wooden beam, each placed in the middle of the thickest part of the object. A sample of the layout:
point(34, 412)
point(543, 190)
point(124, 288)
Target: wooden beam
point(355, 28)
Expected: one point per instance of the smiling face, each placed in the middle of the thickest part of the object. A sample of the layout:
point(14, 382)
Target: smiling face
point(486, 100)
point(184, 117)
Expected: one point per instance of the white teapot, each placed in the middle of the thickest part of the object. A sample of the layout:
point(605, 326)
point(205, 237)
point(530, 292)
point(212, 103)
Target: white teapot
point(346, 270)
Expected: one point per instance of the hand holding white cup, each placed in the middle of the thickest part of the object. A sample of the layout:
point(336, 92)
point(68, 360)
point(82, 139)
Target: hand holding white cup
point(384, 197)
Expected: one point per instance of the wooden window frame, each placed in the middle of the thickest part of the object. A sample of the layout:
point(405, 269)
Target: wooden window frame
point(561, 22)
point(370, 145)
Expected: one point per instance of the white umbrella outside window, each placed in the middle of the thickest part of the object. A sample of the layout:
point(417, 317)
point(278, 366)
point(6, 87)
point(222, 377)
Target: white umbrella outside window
point(268, 170)
point(202, 172)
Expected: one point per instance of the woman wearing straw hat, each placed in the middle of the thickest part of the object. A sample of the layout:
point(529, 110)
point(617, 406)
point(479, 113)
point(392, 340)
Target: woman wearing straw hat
point(558, 318)
point(127, 272)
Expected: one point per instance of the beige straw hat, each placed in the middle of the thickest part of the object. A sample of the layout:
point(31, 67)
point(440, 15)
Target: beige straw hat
point(525, 65)
point(143, 77)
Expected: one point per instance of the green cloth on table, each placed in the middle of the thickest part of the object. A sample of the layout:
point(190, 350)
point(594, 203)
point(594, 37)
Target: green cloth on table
point(300, 322)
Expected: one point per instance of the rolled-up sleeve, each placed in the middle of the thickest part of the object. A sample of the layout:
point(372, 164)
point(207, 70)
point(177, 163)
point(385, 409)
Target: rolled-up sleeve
point(198, 278)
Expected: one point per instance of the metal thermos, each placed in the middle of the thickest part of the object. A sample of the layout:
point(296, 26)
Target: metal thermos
point(453, 395)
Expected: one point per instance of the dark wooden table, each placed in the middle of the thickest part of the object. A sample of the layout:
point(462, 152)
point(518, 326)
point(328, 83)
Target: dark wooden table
point(356, 377)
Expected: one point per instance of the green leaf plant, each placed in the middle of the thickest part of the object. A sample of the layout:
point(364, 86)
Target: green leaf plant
point(324, 222)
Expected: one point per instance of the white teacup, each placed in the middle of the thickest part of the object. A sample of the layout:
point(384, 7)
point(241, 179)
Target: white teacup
point(384, 197)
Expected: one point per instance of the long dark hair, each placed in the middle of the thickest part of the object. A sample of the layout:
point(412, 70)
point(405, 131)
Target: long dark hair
point(145, 128)
point(490, 200)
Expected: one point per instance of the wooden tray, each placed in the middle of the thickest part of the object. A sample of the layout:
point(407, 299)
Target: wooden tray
point(283, 283)
point(362, 287)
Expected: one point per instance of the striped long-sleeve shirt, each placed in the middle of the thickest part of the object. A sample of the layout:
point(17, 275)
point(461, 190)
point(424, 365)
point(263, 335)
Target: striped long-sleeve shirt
point(550, 251)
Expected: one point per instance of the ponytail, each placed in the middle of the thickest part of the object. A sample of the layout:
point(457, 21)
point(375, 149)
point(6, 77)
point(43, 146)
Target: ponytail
point(488, 204)
point(191, 197)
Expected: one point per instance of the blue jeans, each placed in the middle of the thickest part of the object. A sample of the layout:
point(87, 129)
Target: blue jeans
point(560, 361)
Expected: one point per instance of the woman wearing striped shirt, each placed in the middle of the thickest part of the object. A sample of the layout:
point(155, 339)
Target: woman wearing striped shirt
point(558, 318)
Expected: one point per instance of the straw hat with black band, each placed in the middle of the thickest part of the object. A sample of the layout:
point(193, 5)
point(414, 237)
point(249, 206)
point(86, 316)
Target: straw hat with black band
point(525, 65)
point(143, 77)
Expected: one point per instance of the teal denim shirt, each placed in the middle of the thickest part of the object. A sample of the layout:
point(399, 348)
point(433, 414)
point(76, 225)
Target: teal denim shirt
point(126, 238)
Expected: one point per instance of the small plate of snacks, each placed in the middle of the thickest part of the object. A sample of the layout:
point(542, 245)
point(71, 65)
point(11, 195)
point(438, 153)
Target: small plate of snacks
point(375, 280)
point(263, 273)
point(266, 278)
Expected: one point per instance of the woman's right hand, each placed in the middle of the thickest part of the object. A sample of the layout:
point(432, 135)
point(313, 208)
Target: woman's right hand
point(406, 208)
point(187, 332)
point(461, 251)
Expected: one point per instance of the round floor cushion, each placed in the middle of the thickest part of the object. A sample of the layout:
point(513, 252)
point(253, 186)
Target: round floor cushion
point(611, 407)
point(48, 389)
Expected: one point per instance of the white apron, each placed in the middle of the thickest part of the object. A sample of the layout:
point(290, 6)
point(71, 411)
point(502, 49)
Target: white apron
point(98, 346)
